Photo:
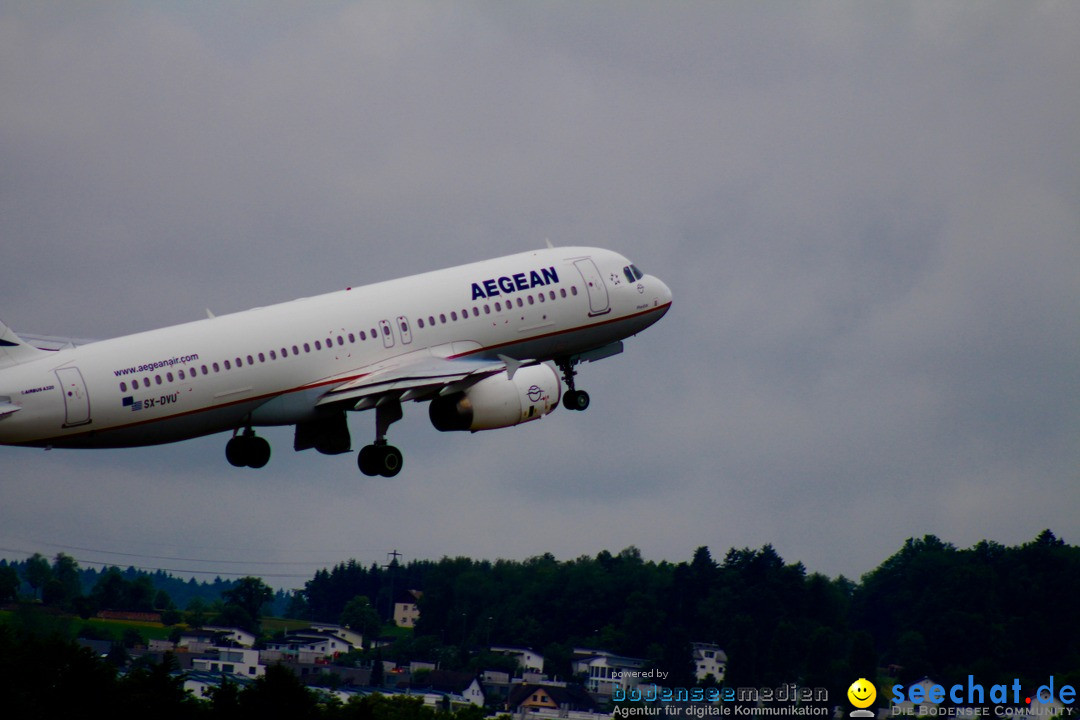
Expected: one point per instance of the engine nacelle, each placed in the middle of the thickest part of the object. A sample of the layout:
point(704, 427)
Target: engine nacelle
point(499, 401)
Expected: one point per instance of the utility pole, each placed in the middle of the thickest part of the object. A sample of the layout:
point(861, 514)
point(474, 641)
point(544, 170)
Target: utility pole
point(391, 565)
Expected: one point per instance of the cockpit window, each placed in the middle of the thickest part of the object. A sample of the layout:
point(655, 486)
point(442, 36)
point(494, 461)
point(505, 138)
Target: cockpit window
point(637, 273)
point(629, 275)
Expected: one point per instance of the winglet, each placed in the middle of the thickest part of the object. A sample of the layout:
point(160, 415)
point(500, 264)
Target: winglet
point(13, 350)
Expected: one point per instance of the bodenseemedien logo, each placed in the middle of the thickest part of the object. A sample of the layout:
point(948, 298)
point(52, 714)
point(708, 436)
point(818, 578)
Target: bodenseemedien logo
point(862, 694)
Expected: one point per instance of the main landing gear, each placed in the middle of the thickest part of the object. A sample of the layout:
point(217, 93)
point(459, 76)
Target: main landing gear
point(381, 458)
point(573, 399)
point(247, 450)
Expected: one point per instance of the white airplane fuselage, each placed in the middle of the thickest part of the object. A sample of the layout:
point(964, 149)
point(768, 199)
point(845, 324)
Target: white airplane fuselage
point(282, 364)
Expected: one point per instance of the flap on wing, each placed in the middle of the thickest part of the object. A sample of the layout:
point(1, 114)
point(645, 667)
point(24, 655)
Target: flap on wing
point(6, 408)
point(427, 373)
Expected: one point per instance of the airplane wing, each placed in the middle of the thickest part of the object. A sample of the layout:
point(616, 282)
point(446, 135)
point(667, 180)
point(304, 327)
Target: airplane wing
point(414, 378)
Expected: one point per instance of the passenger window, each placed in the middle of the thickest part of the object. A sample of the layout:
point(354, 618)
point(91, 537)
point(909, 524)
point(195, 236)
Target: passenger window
point(498, 306)
point(123, 387)
point(442, 318)
point(352, 338)
point(273, 355)
point(251, 360)
point(181, 374)
point(363, 335)
point(169, 376)
point(531, 301)
point(573, 289)
point(521, 303)
point(262, 358)
point(476, 312)
point(420, 322)
point(239, 362)
point(562, 291)
point(216, 368)
point(487, 309)
point(204, 370)
point(453, 315)
point(157, 379)
point(318, 345)
point(552, 294)
point(431, 320)
point(227, 366)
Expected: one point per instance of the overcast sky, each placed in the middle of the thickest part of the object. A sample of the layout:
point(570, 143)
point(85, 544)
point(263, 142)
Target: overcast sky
point(868, 214)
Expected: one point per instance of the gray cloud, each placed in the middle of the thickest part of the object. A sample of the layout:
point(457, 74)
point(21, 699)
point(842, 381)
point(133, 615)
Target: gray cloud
point(868, 215)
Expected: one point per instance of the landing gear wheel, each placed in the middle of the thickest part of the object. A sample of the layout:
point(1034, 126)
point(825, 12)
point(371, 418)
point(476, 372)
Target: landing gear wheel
point(235, 451)
point(385, 460)
point(258, 452)
point(247, 450)
point(576, 400)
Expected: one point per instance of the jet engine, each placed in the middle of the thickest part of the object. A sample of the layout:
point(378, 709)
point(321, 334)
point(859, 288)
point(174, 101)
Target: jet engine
point(499, 401)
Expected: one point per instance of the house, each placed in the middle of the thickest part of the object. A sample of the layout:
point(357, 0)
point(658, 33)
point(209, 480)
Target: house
point(407, 609)
point(922, 708)
point(459, 688)
point(528, 659)
point(305, 644)
point(349, 635)
point(605, 670)
point(242, 662)
point(709, 659)
point(549, 700)
point(196, 640)
point(231, 636)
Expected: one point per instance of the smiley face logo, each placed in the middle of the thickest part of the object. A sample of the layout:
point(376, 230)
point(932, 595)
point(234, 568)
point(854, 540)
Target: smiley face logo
point(862, 693)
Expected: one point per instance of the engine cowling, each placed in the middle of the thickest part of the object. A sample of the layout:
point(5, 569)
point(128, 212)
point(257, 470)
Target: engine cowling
point(499, 401)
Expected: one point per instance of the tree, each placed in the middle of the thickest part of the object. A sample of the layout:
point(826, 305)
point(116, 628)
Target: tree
point(9, 584)
point(66, 570)
point(361, 617)
point(278, 694)
point(196, 612)
point(37, 572)
point(249, 594)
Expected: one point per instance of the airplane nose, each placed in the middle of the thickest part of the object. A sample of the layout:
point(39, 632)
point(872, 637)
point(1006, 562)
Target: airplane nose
point(663, 292)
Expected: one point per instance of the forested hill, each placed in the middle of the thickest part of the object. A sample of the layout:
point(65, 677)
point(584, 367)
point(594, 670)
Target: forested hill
point(929, 610)
point(143, 587)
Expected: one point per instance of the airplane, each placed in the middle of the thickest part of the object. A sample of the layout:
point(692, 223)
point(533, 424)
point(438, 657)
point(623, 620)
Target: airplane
point(489, 344)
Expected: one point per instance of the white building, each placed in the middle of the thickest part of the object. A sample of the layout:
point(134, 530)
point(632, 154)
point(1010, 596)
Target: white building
point(606, 670)
point(308, 643)
point(243, 638)
point(243, 662)
point(349, 635)
point(528, 659)
point(709, 659)
point(407, 609)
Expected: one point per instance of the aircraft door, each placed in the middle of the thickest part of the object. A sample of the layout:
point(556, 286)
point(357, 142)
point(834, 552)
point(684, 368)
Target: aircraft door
point(599, 303)
point(387, 333)
point(405, 330)
point(76, 399)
